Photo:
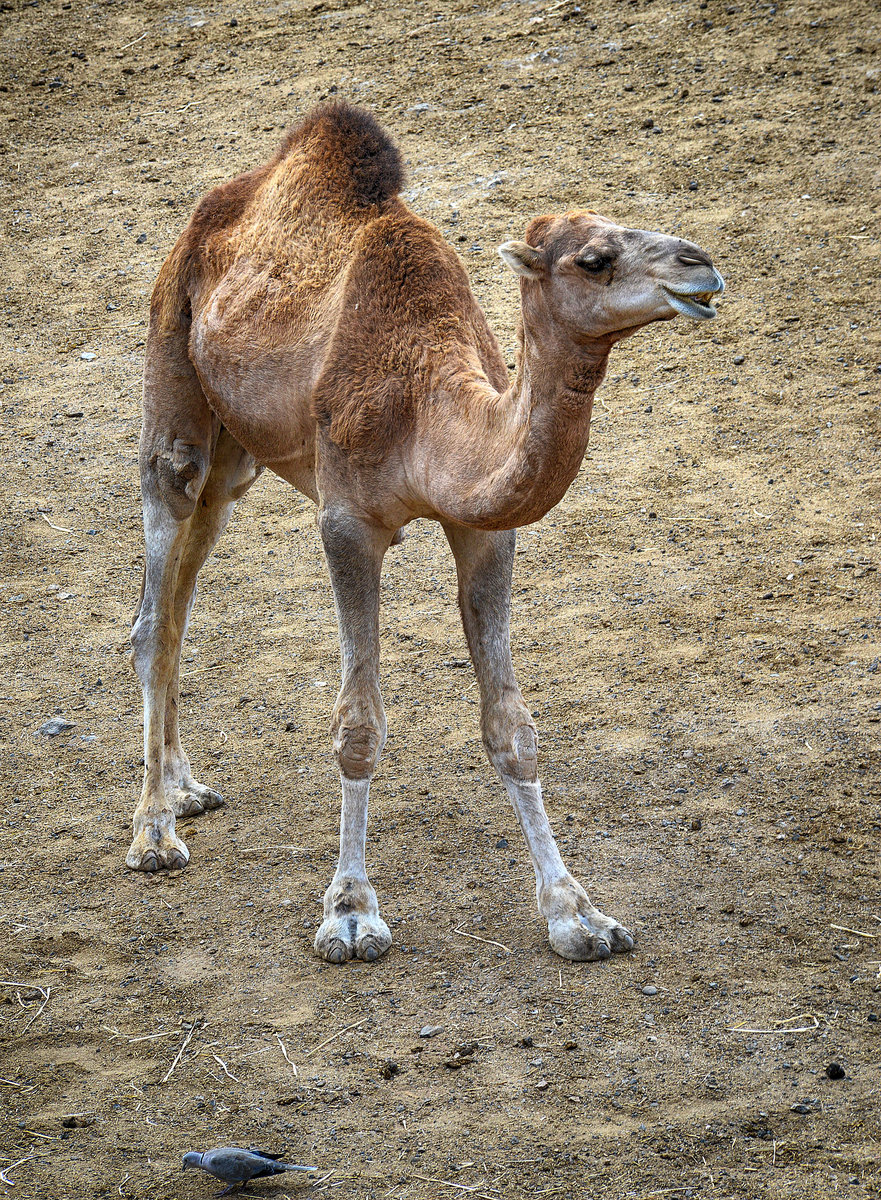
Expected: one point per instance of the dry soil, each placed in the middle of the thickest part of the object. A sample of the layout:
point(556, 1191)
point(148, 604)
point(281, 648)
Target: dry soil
point(696, 627)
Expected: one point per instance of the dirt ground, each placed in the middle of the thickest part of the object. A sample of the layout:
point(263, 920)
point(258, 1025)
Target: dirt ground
point(696, 627)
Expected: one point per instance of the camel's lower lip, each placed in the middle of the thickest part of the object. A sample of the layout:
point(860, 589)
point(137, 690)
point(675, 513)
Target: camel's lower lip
point(696, 304)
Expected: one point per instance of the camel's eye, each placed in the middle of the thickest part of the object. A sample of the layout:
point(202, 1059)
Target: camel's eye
point(592, 262)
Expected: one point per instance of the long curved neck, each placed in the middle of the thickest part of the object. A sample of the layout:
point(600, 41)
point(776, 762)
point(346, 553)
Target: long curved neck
point(522, 450)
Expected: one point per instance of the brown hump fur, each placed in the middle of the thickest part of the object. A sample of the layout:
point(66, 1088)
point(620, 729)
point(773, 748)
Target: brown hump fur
point(356, 158)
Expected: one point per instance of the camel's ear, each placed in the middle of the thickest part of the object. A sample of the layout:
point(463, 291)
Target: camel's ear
point(522, 259)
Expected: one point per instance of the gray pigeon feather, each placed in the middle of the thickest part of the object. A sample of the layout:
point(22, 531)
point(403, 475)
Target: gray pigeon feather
point(236, 1166)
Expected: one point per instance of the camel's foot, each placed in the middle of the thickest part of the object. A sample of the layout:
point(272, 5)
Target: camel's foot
point(189, 798)
point(577, 930)
point(156, 847)
point(352, 926)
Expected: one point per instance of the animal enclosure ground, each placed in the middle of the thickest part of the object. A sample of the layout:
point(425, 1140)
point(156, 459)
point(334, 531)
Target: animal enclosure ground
point(696, 627)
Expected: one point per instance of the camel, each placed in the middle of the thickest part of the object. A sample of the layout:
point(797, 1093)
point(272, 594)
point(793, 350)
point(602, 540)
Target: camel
point(308, 322)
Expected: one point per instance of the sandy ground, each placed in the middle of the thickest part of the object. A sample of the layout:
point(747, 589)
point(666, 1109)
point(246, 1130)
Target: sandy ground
point(696, 627)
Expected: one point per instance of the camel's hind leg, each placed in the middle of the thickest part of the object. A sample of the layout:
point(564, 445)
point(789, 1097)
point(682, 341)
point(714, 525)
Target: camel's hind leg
point(232, 472)
point(191, 474)
point(179, 536)
point(577, 930)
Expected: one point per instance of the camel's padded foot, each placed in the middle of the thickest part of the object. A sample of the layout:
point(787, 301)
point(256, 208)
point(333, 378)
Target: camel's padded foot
point(156, 850)
point(576, 929)
point(190, 798)
point(352, 926)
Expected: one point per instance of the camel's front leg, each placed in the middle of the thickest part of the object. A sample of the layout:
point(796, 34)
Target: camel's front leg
point(352, 926)
point(577, 930)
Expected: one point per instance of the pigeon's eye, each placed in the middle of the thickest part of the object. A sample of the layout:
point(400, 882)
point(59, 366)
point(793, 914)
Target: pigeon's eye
point(592, 262)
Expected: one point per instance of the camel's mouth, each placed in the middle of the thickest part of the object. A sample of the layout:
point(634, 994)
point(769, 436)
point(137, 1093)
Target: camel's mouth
point(695, 302)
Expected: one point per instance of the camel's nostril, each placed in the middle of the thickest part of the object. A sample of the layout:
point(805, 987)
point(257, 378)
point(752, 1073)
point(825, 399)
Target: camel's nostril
point(693, 258)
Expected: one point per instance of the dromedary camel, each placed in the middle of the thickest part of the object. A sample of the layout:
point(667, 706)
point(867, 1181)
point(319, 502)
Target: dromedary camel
point(309, 322)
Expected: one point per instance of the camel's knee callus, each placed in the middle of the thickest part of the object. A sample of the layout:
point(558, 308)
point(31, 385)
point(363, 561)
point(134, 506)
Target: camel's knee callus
point(179, 474)
point(357, 750)
point(514, 756)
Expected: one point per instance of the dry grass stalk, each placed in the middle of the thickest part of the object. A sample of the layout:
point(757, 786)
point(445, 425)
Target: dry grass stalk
point(334, 1036)
point(60, 528)
point(462, 1187)
point(224, 1068)
point(12, 1166)
point(180, 1052)
point(855, 932)
point(45, 993)
point(488, 941)
point(284, 1051)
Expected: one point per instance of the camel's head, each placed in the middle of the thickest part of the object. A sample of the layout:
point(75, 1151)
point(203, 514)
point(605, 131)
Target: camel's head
point(601, 280)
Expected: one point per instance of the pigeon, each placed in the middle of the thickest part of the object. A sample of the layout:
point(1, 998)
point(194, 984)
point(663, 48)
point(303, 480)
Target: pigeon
point(236, 1167)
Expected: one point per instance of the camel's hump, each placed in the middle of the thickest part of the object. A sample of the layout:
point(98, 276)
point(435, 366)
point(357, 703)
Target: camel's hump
point(348, 146)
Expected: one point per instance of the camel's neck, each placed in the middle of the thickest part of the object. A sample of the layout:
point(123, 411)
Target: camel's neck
point(521, 450)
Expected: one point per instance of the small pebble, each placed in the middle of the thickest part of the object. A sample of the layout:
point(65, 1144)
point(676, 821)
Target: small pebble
point(739, 359)
point(54, 726)
point(693, 186)
point(542, 1085)
point(430, 1031)
point(88, 356)
point(140, 239)
point(502, 844)
point(648, 123)
point(650, 990)
point(697, 824)
point(835, 1071)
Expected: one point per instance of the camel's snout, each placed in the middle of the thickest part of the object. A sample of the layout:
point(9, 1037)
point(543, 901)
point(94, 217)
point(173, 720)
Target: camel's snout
point(695, 283)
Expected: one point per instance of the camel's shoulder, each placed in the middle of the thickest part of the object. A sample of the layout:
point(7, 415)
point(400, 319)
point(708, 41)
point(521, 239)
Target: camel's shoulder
point(407, 318)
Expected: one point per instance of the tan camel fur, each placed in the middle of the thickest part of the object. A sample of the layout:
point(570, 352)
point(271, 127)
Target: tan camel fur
point(309, 322)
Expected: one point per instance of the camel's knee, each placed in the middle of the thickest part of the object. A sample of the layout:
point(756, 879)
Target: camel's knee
point(152, 641)
point(359, 731)
point(512, 747)
point(176, 475)
point(358, 748)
